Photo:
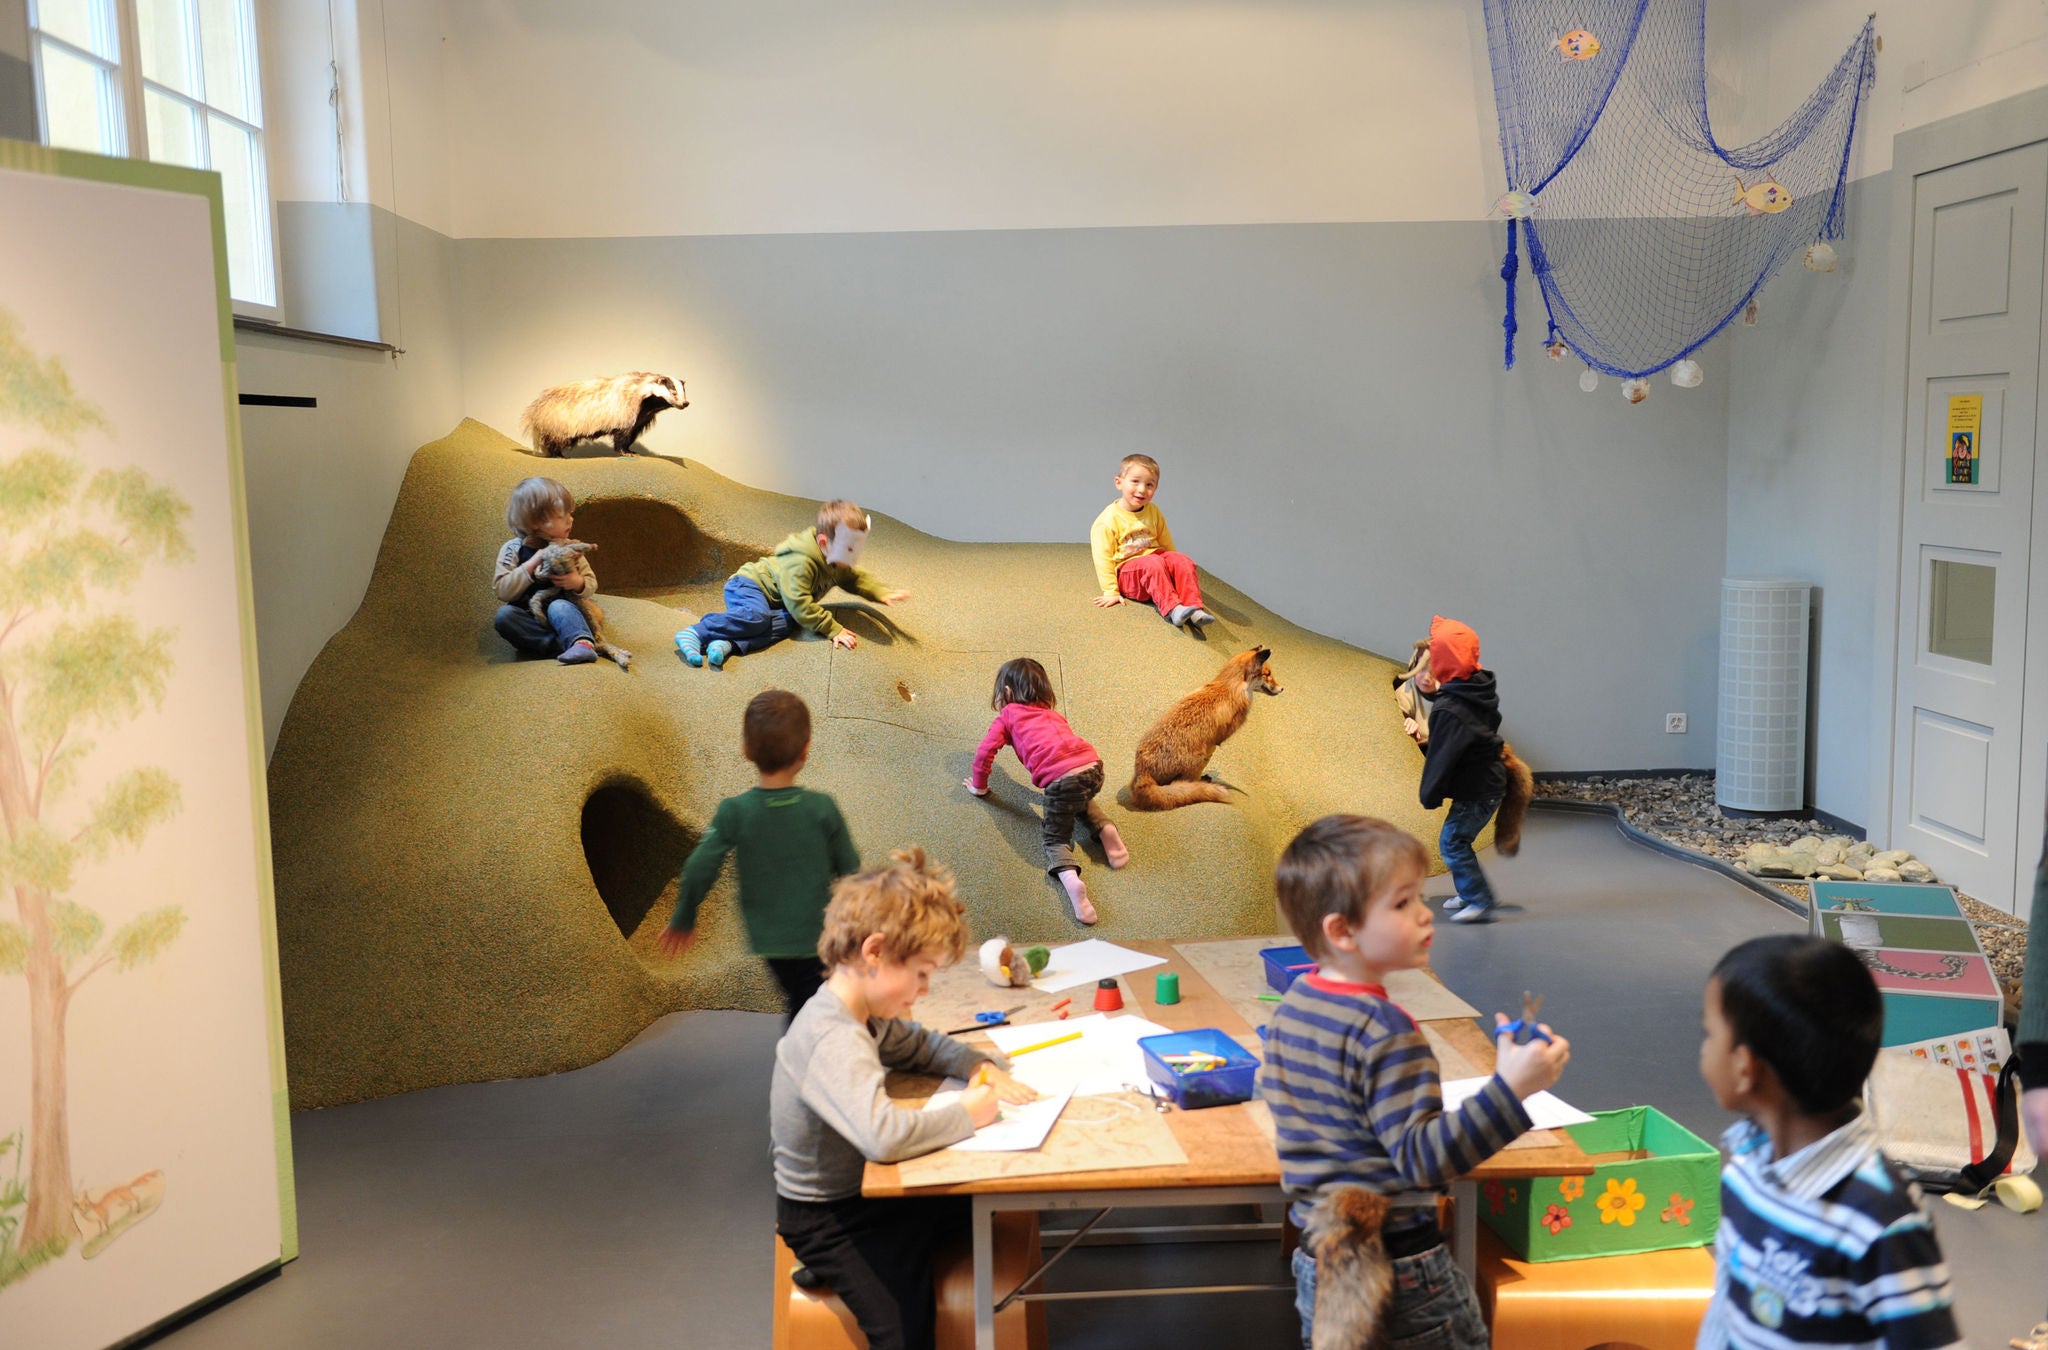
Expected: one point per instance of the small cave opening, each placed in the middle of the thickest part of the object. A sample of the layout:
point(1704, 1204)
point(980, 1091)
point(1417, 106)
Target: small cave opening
point(635, 850)
point(647, 547)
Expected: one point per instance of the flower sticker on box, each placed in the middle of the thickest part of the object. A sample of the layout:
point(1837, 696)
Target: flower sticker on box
point(1571, 1188)
point(1679, 1211)
point(1556, 1220)
point(1620, 1203)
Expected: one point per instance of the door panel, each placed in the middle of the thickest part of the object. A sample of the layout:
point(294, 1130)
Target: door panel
point(1980, 231)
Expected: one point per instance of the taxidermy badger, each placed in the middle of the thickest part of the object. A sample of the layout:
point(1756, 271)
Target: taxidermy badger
point(1174, 752)
point(1354, 1276)
point(1514, 803)
point(620, 407)
point(558, 560)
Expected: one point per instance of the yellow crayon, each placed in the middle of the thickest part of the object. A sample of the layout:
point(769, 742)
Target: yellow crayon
point(1057, 1040)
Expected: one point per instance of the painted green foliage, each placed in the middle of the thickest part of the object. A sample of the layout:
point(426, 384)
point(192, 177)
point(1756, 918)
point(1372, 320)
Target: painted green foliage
point(73, 667)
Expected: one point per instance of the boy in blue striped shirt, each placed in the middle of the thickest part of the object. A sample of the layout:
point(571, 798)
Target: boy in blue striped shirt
point(1823, 1240)
point(1354, 1087)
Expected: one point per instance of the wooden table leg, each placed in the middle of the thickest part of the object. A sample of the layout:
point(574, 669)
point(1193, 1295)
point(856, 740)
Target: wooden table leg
point(982, 1229)
point(1465, 1225)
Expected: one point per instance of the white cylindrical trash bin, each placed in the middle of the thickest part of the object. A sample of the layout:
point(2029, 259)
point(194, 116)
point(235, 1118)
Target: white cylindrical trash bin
point(1760, 734)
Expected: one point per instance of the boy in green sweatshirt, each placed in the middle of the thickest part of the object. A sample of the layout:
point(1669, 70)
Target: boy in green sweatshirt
point(770, 598)
point(792, 845)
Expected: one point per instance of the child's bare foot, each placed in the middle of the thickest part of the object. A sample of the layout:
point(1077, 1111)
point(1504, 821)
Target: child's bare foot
point(1077, 896)
point(1113, 847)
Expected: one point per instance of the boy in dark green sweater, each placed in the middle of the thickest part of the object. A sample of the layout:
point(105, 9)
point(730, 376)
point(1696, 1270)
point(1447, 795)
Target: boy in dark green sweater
point(792, 845)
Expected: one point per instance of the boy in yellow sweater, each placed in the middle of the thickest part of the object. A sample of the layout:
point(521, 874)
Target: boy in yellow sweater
point(1134, 557)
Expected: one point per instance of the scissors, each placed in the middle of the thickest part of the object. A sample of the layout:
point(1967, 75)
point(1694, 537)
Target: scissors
point(1159, 1103)
point(1524, 1029)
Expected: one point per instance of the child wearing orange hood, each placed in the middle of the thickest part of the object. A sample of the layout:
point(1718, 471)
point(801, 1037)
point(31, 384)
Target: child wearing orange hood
point(1462, 760)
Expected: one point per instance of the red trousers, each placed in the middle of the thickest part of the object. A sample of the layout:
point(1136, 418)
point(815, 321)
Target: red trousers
point(1166, 579)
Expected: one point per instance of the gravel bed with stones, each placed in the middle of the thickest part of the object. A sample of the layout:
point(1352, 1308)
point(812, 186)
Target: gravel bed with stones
point(1680, 810)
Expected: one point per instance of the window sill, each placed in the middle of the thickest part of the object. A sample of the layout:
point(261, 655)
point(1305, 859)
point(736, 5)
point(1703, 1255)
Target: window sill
point(243, 325)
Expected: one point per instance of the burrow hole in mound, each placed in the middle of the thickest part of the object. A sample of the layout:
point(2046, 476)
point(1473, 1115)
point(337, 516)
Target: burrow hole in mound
point(635, 850)
point(650, 547)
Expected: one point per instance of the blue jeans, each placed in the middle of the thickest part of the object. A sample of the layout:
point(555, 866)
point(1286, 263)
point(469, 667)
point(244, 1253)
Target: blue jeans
point(1433, 1307)
point(749, 622)
point(531, 637)
point(1461, 827)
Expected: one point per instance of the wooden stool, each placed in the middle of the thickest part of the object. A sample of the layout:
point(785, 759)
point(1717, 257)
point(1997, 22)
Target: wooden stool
point(807, 1320)
point(1654, 1300)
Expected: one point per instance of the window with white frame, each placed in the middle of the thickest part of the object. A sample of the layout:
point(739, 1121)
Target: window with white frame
point(174, 81)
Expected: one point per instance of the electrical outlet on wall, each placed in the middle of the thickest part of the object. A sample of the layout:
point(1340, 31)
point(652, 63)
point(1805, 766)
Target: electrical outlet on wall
point(1674, 723)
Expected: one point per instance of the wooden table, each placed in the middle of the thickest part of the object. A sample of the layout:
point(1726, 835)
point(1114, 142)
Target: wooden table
point(1230, 1157)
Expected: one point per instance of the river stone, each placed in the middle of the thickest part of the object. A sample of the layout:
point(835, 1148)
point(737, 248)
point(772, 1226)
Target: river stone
point(1840, 872)
point(1915, 870)
point(1830, 853)
point(1891, 857)
point(1791, 863)
point(1806, 843)
point(1880, 874)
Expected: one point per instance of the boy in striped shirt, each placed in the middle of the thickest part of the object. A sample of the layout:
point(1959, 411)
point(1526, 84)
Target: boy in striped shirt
point(1823, 1240)
point(1353, 1086)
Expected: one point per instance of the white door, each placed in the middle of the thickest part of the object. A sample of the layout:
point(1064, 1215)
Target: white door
point(1980, 234)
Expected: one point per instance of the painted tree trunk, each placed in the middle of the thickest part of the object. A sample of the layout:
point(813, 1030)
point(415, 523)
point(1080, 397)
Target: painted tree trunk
point(49, 1212)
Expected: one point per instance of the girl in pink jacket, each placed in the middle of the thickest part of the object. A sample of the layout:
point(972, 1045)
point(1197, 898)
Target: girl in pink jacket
point(1062, 766)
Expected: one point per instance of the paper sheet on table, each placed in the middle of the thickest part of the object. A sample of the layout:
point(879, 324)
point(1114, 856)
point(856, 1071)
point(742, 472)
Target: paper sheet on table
point(1080, 963)
point(1019, 1129)
point(1103, 1058)
point(1545, 1111)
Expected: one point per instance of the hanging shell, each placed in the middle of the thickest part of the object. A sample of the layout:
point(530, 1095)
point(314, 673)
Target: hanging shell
point(1820, 256)
point(1556, 350)
point(1749, 315)
point(1589, 379)
point(1686, 374)
point(1635, 390)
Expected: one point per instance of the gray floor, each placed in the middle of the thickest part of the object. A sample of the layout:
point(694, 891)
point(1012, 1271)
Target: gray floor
point(629, 1204)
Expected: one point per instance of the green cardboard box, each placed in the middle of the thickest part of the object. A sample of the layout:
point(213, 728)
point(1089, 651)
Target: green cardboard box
point(1668, 1197)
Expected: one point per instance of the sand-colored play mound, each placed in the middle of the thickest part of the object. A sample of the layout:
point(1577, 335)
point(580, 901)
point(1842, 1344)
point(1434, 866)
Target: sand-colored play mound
point(475, 853)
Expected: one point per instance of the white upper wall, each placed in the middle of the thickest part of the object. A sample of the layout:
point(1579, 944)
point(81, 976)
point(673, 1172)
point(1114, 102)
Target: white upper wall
point(357, 104)
point(1939, 59)
point(651, 117)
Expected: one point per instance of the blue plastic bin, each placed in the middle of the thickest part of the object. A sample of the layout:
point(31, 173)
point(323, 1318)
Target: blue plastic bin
point(1213, 1087)
point(1278, 959)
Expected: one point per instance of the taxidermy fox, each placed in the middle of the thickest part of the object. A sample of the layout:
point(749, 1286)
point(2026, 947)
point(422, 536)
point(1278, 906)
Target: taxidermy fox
point(1354, 1276)
point(1174, 752)
point(558, 560)
point(1514, 802)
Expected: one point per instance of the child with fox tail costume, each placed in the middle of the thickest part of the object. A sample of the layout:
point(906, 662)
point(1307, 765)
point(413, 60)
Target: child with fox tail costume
point(1466, 761)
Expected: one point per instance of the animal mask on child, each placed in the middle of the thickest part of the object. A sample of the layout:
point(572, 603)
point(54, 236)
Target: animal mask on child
point(847, 542)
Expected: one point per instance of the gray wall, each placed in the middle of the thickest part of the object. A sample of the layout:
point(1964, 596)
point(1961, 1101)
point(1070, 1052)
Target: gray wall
point(1803, 488)
point(1327, 403)
point(321, 481)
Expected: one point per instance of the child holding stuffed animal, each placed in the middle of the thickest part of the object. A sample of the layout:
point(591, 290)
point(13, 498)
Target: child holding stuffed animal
point(542, 512)
point(1461, 760)
point(770, 598)
point(888, 930)
point(1134, 554)
point(1063, 766)
point(792, 845)
point(1357, 1097)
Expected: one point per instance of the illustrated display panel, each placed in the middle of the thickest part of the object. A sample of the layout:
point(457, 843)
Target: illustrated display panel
point(1924, 955)
point(144, 1162)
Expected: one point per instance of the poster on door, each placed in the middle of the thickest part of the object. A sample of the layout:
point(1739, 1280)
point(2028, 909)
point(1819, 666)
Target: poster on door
point(1965, 439)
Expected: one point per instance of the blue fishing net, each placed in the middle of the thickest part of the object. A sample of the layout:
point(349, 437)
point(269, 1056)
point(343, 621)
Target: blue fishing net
point(1647, 235)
